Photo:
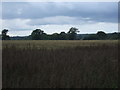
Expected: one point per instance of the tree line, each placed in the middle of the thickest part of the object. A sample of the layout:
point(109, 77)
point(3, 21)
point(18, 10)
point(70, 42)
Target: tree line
point(39, 34)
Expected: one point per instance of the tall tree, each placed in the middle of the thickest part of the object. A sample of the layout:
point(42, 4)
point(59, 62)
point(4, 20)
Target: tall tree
point(55, 36)
point(72, 33)
point(4, 35)
point(63, 36)
point(101, 35)
point(37, 34)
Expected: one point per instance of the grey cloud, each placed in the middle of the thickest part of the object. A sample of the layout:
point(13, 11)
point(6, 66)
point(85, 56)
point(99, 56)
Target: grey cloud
point(100, 12)
point(60, 20)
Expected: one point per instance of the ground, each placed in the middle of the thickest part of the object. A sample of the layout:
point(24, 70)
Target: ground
point(60, 64)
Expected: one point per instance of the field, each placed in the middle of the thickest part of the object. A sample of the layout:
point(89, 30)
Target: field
point(60, 64)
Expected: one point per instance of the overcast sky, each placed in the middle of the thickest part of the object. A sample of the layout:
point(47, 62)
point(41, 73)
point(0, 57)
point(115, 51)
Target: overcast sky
point(21, 18)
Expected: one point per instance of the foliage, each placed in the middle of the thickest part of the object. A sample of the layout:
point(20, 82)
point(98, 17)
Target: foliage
point(91, 37)
point(55, 36)
point(114, 36)
point(4, 35)
point(101, 35)
point(37, 34)
point(72, 33)
point(63, 36)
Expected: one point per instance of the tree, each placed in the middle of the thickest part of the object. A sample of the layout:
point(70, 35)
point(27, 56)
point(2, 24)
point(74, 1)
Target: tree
point(4, 35)
point(91, 37)
point(63, 36)
point(101, 35)
point(114, 36)
point(37, 34)
point(72, 33)
point(55, 36)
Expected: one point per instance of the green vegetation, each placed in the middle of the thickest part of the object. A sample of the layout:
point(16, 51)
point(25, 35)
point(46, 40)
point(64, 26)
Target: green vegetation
point(4, 35)
point(39, 34)
point(60, 64)
point(103, 36)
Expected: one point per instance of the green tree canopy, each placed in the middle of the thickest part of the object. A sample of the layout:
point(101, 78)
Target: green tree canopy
point(101, 35)
point(72, 33)
point(4, 35)
point(55, 36)
point(63, 36)
point(37, 34)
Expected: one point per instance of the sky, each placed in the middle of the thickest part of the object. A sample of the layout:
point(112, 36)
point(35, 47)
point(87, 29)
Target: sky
point(21, 18)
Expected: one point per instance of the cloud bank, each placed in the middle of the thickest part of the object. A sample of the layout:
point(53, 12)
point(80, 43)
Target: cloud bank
point(25, 16)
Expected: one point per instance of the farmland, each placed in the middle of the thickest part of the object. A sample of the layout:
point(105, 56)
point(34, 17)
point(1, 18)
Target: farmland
point(53, 44)
point(60, 64)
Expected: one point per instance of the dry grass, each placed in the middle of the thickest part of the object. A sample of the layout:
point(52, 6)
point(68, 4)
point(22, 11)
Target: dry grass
point(74, 64)
point(57, 43)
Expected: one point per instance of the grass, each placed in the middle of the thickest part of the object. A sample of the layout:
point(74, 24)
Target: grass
point(66, 64)
point(57, 43)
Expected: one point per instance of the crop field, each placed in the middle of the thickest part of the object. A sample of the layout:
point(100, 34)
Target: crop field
point(60, 64)
point(53, 44)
